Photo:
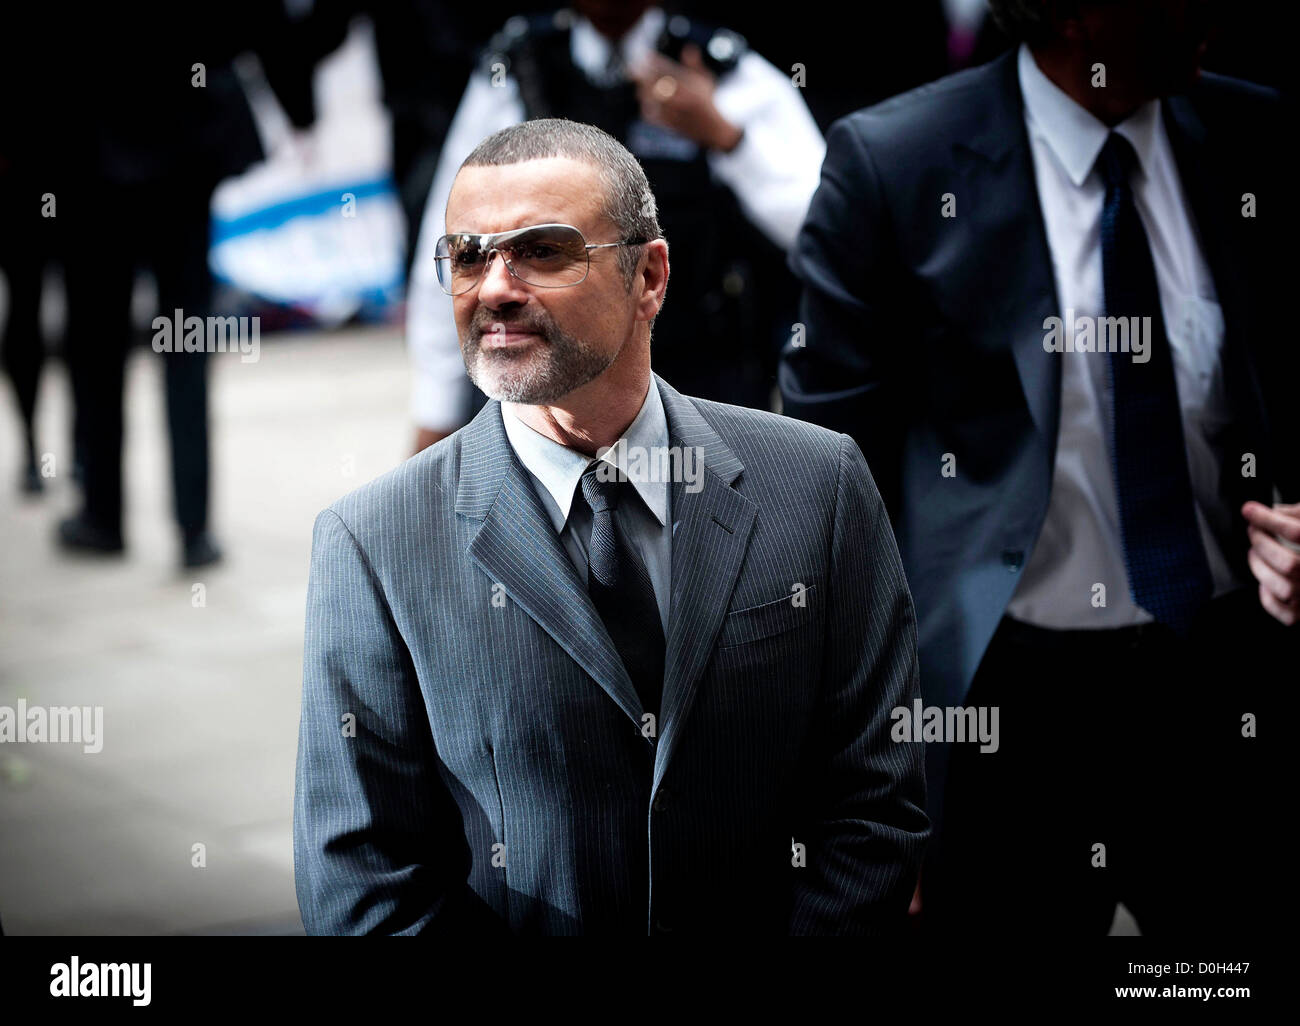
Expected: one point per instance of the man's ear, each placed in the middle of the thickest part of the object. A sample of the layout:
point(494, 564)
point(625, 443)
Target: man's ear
point(652, 280)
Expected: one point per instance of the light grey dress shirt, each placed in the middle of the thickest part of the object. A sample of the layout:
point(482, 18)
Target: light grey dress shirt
point(555, 471)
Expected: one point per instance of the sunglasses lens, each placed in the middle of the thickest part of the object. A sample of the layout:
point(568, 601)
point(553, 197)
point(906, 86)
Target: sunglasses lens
point(459, 260)
point(550, 256)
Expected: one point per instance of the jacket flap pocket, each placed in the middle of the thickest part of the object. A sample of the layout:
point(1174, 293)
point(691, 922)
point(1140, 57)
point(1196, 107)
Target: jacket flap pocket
point(768, 619)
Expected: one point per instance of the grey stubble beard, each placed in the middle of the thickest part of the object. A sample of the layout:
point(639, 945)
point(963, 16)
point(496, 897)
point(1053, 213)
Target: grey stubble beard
point(544, 373)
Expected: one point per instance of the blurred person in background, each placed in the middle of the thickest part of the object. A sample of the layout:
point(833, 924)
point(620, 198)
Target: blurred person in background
point(425, 50)
point(155, 118)
point(1097, 543)
point(37, 167)
point(731, 152)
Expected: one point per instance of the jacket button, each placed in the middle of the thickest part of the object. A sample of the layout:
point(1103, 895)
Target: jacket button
point(1013, 559)
point(661, 799)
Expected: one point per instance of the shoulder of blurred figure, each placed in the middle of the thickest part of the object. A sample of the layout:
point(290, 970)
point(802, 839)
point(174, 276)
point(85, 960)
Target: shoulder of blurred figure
point(518, 34)
point(721, 48)
point(928, 118)
point(1242, 118)
point(1237, 91)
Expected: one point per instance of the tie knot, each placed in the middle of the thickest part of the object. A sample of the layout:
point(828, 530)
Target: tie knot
point(601, 488)
point(1117, 161)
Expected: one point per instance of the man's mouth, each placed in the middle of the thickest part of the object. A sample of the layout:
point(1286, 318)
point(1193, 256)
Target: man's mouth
point(507, 339)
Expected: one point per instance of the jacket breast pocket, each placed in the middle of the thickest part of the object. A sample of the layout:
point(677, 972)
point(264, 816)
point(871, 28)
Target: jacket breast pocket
point(742, 626)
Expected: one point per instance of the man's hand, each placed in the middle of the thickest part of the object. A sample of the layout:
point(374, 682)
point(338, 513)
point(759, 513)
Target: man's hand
point(680, 97)
point(425, 437)
point(1275, 564)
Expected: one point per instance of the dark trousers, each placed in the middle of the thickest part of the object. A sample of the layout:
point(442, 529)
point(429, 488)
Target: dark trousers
point(27, 242)
point(164, 227)
point(22, 347)
point(1131, 739)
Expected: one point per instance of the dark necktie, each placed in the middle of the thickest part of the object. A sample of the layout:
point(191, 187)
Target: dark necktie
point(1168, 574)
point(621, 591)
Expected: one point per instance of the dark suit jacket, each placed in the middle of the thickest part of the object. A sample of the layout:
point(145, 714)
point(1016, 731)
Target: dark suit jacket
point(499, 777)
point(924, 334)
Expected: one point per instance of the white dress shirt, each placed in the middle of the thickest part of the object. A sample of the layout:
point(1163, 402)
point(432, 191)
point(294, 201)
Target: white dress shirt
point(1080, 544)
point(556, 471)
point(773, 172)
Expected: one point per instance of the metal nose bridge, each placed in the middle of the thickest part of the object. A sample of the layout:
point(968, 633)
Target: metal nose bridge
point(505, 260)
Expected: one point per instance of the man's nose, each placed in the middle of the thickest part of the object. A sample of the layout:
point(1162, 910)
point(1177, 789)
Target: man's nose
point(499, 286)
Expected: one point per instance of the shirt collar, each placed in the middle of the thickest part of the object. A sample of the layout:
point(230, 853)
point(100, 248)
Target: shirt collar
point(590, 50)
point(1075, 136)
point(560, 468)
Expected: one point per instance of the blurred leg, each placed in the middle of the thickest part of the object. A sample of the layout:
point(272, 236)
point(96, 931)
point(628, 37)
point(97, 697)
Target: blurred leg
point(99, 274)
point(22, 349)
point(26, 242)
point(184, 283)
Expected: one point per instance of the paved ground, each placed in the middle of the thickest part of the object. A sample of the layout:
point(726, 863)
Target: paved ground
point(200, 702)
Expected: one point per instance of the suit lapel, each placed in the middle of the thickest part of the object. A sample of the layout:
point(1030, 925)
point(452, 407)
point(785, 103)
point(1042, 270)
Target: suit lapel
point(516, 545)
point(711, 531)
point(1006, 223)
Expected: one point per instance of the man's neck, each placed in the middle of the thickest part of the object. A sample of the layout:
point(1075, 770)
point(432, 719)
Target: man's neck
point(594, 416)
point(1072, 72)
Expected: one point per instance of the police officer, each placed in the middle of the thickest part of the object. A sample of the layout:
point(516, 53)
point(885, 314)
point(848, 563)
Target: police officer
point(731, 151)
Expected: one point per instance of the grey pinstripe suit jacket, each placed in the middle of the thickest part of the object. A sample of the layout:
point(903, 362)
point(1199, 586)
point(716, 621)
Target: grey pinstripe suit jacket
point(471, 755)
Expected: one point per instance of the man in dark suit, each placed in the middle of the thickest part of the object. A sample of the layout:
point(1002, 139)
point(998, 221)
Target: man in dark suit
point(609, 659)
point(1091, 524)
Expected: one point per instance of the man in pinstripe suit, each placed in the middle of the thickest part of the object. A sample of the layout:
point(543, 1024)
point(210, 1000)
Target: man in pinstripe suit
point(545, 695)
